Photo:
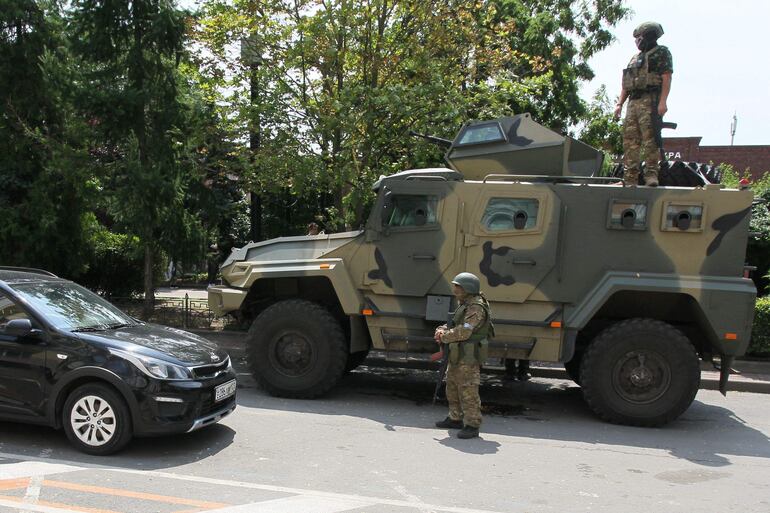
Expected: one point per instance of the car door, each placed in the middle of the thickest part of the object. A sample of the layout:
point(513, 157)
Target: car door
point(22, 365)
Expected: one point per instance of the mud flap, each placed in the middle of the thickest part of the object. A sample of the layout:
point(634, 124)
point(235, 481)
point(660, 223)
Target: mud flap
point(726, 362)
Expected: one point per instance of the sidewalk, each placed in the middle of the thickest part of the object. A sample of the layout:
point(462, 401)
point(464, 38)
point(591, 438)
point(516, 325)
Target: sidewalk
point(748, 375)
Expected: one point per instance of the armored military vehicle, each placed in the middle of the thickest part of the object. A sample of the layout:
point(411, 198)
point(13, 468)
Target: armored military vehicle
point(628, 287)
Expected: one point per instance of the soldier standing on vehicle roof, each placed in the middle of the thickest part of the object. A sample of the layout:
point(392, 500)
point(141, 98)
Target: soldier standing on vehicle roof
point(467, 343)
point(647, 82)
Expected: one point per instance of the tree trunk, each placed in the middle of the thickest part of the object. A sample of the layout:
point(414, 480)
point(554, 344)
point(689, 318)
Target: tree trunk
point(149, 285)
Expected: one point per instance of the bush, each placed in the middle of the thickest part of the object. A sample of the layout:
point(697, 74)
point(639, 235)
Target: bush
point(760, 333)
point(116, 265)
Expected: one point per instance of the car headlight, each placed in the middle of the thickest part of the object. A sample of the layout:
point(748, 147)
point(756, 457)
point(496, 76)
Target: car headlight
point(154, 367)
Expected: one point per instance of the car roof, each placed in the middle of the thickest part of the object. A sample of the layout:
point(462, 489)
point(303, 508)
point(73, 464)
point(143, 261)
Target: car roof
point(16, 275)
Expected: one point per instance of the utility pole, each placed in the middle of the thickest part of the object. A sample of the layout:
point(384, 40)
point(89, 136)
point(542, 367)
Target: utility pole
point(252, 57)
point(733, 126)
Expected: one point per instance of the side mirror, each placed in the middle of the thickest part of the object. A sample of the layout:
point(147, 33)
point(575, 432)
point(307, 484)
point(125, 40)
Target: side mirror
point(18, 328)
point(387, 207)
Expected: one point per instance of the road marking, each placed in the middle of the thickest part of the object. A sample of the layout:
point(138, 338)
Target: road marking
point(35, 467)
point(32, 494)
point(14, 484)
point(117, 492)
point(316, 494)
point(303, 503)
point(17, 503)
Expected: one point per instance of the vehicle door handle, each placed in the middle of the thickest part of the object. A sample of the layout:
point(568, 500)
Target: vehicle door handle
point(524, 262)
point(423, 257)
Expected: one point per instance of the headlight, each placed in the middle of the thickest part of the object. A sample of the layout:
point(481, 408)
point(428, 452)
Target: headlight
point(153, 367)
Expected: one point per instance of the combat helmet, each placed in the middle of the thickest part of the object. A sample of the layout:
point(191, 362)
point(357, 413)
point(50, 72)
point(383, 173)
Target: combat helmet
point(469, 282)
point(649, 26)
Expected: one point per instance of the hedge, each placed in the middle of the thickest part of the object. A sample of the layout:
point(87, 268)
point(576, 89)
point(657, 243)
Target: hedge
point(760, 333)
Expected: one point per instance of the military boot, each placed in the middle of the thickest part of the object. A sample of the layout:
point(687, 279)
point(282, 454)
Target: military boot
point(468, 432)
point(449, 423)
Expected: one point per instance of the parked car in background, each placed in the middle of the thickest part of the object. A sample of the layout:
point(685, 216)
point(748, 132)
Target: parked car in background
point(69, 359)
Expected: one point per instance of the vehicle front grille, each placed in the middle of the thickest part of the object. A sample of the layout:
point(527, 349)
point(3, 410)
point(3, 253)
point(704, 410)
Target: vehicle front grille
point(211, 371)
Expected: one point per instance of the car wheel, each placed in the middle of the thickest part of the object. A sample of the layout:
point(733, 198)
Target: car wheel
point(296, 348)
point(96, 419)
point(640, 372)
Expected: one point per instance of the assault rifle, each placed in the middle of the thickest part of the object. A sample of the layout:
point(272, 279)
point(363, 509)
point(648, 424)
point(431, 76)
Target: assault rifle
point(442, 355)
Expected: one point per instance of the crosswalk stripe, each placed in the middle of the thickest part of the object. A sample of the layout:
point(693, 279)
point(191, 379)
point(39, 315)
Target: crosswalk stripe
point(313, 495)
point(33, 468)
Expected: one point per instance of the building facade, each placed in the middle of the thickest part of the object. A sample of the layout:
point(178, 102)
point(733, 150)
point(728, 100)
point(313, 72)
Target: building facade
point(754, 158)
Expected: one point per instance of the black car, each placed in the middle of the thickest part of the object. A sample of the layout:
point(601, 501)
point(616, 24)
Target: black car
point(70, 359)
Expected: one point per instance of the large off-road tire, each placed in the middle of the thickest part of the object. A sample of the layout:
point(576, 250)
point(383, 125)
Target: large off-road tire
point(96, 419)
point(296, 348)
point(640, 372)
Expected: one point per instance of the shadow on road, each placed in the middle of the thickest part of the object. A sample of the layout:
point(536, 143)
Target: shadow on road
point(141, 454)
point(541, 409)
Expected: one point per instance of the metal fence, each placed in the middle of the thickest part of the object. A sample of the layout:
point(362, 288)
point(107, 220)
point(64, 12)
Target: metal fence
point(186, 312)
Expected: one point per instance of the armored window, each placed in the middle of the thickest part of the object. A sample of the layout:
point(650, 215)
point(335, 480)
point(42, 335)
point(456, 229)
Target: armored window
point(627, 215)
point(483, 133)
point(680, 217)
point(509, 214)
point(413, 210)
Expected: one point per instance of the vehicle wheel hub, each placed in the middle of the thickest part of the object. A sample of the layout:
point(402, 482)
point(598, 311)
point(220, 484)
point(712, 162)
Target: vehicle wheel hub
point(93, 420)
point(292, 354)
point(641, 377)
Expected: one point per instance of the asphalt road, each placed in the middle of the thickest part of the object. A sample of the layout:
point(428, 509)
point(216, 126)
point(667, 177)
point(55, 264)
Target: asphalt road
point(370, 447)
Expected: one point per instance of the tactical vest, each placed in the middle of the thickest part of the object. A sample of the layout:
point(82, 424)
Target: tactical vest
point(473, 351)
point(637, 77)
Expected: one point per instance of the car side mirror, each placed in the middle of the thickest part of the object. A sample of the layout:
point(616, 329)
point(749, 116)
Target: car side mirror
point(19, 328)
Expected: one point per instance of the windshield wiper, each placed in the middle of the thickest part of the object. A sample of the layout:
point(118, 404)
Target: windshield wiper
point(88, 328)
point(117, 325)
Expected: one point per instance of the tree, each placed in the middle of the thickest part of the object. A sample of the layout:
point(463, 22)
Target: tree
point(45, 185)
point(342, 82)
point(131, 52)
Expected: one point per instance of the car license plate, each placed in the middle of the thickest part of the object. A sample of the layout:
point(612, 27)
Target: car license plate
point(224, 391)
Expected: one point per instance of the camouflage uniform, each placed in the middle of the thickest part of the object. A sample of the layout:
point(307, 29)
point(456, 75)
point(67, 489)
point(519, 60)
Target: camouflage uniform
point(641, 141)
point(467, 347)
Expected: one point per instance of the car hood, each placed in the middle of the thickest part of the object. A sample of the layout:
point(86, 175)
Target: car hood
point(169, 344)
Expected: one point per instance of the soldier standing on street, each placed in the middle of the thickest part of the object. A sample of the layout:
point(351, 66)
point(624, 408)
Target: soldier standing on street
point(467, 343)
point(647, 82)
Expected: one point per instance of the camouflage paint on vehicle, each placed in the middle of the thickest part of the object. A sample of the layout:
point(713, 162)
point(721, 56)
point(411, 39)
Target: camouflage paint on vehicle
point(560, 256)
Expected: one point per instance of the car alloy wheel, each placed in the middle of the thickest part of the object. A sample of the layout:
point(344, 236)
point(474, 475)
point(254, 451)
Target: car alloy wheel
point(93, 420)
point(96, 419)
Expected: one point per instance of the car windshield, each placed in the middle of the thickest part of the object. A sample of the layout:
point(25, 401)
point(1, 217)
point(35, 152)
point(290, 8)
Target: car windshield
point(71, 307)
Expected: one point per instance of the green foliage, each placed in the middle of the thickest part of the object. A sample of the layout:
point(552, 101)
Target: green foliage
point(326, 92)
point(130, 53)
point(44, 185)
point(601, 129)
point(758, 251)
point(116, 263)
point(760, 334)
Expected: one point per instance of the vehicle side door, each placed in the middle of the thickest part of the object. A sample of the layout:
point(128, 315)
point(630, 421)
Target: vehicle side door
point(22, 364)
point(413, 246)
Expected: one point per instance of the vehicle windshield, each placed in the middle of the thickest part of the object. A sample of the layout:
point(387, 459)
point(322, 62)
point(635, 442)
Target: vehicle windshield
point(71, 307)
